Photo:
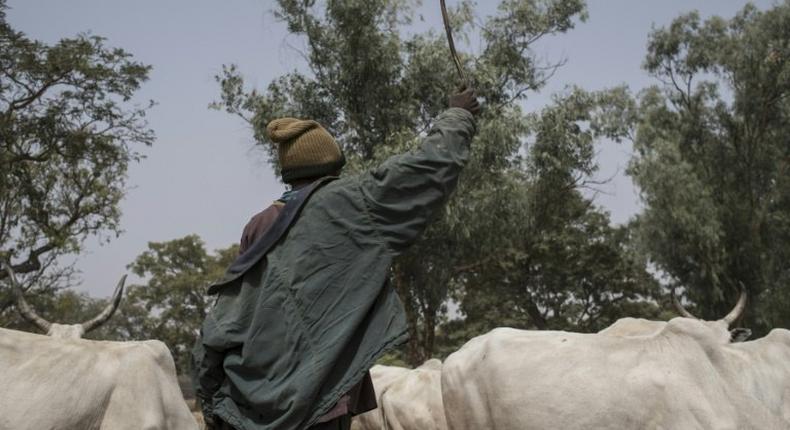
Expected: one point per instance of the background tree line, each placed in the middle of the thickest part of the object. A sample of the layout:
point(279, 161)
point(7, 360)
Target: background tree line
point(520, 244)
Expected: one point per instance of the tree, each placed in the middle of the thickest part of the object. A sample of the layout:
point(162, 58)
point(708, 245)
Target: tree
point(565, 267)
point(712, 161)
point(173, 296)
point(68, 132)
point(377, 90)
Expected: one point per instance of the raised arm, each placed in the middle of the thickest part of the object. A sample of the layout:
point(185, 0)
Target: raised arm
point(406, 191)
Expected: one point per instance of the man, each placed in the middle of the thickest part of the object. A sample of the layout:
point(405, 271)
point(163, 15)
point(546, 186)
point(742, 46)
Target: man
point(306, 310)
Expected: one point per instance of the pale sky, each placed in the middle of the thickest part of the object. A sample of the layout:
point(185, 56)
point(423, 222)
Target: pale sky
point(203, 175)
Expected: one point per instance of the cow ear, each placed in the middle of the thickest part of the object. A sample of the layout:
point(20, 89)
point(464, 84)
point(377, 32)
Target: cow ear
point(740, 335)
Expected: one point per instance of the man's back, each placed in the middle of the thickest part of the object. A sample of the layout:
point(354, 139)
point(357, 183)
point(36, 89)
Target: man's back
point(298, 330)
point(361, 397)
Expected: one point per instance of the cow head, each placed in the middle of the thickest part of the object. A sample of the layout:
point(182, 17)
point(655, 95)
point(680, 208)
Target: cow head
point(63, 331)
point(736, 334)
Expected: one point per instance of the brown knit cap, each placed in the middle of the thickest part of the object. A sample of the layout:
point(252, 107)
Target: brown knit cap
point(305, 149)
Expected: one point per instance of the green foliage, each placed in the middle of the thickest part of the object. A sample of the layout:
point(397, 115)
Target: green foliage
point(712, 161)
point(563, 266)
point(68, 132)
point(173, 297)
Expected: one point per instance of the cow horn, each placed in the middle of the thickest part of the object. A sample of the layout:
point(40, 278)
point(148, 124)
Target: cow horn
point(678, 307)
point(21, 304)
point(109, 310)
point(736, 312)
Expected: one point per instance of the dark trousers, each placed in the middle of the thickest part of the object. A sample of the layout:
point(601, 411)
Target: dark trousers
point(342, 423)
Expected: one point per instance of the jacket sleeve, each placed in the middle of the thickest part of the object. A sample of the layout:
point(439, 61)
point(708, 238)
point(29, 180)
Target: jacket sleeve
point(406, 191)
point(208, 373)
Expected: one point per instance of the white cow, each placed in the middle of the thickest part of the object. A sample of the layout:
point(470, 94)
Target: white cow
point(408, 399)
point(682, 374)
point(625, 327)
point(67, 383)
point(414, 401)
point(383, 377)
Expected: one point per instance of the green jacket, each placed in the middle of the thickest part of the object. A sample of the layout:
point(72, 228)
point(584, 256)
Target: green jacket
point(296, 331)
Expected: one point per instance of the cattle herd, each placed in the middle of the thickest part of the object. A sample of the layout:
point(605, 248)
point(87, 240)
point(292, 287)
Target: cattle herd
point(636, 374)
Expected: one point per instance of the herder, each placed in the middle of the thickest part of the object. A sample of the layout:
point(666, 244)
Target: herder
point(306, 310)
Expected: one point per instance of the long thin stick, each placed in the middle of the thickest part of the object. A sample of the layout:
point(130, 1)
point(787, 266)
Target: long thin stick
point(450, 41)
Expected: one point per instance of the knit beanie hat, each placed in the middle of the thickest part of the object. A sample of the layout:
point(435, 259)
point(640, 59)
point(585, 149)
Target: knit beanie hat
point(305, 149)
